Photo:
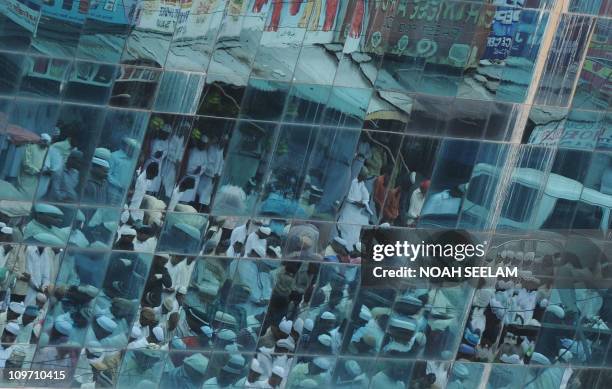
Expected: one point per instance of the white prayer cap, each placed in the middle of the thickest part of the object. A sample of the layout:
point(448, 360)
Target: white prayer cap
point(46, 137)
point(403, 324)
point(227, 335)
point(48, 208)
point(285, 326)
point(2, 224)
point(278, 370)
point(181, 290)
point(188, 229)
point(100, 162)
point(260, 250)
point(136, 332)
point(556, 310)
point(460, 370)
point(128, 231)
point(6, 230)
point(103, 153)
point(539, 359)
point(364, 313)
point(298, 325)
point(325, 340)
point(206, 330)
point(158, 332)
point(309, 383)
point(256, 367)
point(265, 230)
point(308, 324)
point(49, 239)
point(352, 367)
point(16, 307)
point(287, 343)
point(321, 362)
point(12, 328)
point(385, 225)
point(327, 315)
point(63, 325)
point(106, 323)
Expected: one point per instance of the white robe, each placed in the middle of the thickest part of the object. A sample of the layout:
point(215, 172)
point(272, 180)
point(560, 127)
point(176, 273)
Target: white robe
point(140, 189)
point(416, 205)
point(39, 268)
point(352, 216)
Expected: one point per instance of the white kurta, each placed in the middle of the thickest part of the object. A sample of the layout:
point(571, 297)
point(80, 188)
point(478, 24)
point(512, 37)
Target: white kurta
point(254, 241)
point(196, 160)
point(352, 216)
point(39, 267)
point(161, 146)
point(140, 189)
point(416, 205)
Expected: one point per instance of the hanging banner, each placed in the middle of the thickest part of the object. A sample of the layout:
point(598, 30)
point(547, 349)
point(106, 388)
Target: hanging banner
point(22, 12)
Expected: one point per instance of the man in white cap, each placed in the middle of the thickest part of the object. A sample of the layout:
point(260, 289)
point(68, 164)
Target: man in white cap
point(189, 375)
point(256, 241)
point(404, 339)
point(9, 335)
point(350, 375)
point(316, 369)
point(96, 188)
point(31, 166)
point(102, 327)
point(46, 218)
point(39, 261)
point(12, 315)
point(229, 375)
point(254, 377)
point(143, 183)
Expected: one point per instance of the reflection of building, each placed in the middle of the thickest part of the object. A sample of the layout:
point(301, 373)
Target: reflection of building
point(203, 170)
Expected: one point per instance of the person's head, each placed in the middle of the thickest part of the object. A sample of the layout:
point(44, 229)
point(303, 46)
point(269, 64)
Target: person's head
point(48, 215)
point(127, 236)
point(276, 378)
point(363, 174)
point(195, 367)
point(143, 233)
point(11, 330)
point(327, 321)
point(103, 326)
point(424, 186)
point(318, 365)
point(255, 371)
point(196, 318)
point(160, 260)
point(74, 160)
point(263, 232)
point(6, 234)
point(99, 168)
point(173, 321)
point(144, 358)
point(152, 170)
point(147, 317)
point(45, 140)
point(15, 310)
point(29, 314)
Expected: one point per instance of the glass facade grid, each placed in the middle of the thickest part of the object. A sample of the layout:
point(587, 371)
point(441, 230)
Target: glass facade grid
point(178, 180)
